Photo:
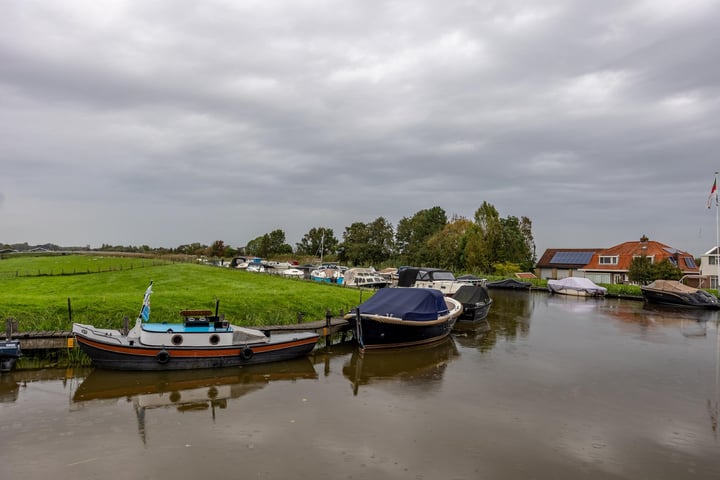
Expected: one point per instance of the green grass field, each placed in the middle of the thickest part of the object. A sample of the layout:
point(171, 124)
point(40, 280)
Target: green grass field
point(114, 289)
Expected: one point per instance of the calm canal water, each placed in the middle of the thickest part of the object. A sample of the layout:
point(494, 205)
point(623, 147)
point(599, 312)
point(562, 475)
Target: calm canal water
point(551, 388)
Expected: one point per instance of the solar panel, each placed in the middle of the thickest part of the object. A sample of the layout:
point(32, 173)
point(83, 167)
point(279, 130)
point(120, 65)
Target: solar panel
point(670, 250)
point(576, 258)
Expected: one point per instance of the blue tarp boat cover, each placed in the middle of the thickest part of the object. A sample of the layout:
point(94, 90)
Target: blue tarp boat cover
point(419, 304)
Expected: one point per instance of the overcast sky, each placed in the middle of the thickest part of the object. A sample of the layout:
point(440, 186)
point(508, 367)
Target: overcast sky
point(163, 123)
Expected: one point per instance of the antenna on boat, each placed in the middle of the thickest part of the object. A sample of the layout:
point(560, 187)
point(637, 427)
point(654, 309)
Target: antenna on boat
point(217, 306)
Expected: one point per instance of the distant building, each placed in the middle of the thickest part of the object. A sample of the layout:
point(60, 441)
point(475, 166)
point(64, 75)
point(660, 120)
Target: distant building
point(611, 265)
point(709, 268)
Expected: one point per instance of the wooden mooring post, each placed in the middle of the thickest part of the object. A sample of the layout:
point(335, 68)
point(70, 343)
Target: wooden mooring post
point(10, 327)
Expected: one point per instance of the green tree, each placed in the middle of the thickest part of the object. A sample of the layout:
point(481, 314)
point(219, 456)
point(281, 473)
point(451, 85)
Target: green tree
point(666, 270)
point(367, 243)
point(413, 233)
point(315, 239)
point(272, 243)
point(516, 244)
point(354, 248)
point(446, 248)
point(490, 229)
point(641, 270)
point(217, 249)
point(380, 240)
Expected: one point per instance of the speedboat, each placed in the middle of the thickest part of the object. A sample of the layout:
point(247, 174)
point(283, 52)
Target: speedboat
point(201, 340)
point(672, 292)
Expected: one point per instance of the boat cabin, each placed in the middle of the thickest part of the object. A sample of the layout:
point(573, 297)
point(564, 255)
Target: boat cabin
point(203, 318)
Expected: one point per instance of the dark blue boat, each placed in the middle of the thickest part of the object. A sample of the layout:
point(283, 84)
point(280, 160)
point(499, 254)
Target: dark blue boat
point(399, 317)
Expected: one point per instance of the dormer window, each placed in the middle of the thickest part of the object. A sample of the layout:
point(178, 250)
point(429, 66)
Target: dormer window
point(608, 260)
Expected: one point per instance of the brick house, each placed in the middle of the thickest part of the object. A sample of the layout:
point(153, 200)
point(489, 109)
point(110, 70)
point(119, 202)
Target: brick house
point(612, 264)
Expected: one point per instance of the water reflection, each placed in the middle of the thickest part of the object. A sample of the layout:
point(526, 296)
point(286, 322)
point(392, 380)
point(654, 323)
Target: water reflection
point(652, 321)
point(599, 389)
point(15, 381)
point(509, 318)
point(186, 391)
point(421, 366)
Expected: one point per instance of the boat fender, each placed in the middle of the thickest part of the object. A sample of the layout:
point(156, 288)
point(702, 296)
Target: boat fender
point(246, 353)
point(163, 357)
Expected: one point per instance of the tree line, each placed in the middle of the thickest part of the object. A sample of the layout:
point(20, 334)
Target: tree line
point(486, 243)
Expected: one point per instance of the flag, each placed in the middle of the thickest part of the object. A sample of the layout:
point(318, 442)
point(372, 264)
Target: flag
point(145, 310)
point(713, 191)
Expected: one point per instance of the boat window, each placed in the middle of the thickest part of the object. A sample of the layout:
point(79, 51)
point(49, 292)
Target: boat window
point(214, 339)
point(177, 339)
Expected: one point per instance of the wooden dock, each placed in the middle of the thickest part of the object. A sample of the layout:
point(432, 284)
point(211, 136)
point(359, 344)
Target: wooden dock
point(53, 340)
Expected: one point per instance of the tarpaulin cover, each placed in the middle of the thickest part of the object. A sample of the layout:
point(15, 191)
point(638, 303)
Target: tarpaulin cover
point(576, 283)
point(472, 294)
point(419, 304)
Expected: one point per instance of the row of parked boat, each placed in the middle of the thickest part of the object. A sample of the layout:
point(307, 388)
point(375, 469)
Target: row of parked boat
point(424, 312)
point(659, 292)
point(423, 308)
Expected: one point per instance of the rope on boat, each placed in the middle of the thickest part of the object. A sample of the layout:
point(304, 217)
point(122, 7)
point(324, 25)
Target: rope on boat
point(358, 327)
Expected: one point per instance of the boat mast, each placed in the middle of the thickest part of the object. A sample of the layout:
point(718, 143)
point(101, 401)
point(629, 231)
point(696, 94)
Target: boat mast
point(717, 239)
point(322, 247)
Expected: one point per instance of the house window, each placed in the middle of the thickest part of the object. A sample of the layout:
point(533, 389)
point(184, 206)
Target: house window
point(673, 261)
point(690, 262)
point(609, 260)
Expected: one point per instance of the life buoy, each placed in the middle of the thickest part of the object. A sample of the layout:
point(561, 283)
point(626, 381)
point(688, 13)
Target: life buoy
point(246, 353)
point(162, 357)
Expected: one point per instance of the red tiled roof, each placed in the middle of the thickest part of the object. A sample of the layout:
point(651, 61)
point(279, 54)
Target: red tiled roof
point(626, 251)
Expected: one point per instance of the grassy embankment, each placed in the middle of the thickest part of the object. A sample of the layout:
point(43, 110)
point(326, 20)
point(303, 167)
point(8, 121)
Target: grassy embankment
point(103, 290)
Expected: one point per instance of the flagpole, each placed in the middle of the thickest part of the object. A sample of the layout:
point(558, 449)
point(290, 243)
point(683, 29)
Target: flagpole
point(717, 237)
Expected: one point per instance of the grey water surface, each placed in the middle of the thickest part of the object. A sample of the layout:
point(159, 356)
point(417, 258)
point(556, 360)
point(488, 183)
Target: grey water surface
point(550, 387)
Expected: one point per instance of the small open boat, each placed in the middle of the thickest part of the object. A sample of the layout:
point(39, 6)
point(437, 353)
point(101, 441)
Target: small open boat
point(201, 340)
point(672, 292)
point(476, 302)
point(399, 317)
